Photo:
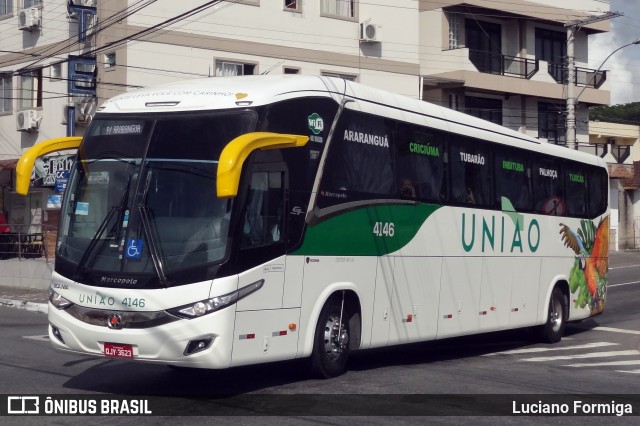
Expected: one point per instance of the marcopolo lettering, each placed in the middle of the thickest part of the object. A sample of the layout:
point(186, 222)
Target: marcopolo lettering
point(118, 280)
point(369, 139)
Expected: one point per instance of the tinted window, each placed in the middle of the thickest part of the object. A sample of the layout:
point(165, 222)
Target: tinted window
point(547, 187)
point(360, 161)
point(598, 191)
point(471, 177)
point(575, 183)
point(421, 166)
point(512, 178)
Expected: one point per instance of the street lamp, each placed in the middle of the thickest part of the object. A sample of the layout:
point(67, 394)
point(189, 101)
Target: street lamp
point(571, 102)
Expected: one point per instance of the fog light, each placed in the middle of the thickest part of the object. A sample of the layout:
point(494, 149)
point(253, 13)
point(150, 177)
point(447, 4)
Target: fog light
point(198, 345)
point(56, 333)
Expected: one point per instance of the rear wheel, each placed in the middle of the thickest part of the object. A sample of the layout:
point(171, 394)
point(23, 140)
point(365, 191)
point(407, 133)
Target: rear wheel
point(553, 330)
point(331, 342)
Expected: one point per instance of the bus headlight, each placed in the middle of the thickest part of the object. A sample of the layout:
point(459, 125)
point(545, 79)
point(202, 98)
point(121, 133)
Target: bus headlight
point(204, 307)
point(58, 301)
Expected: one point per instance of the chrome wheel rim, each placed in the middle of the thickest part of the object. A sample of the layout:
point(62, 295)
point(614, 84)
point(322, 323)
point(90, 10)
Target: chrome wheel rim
point(336, 337)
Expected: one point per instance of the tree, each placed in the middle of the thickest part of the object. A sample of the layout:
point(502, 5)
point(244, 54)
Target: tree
point(627, 113)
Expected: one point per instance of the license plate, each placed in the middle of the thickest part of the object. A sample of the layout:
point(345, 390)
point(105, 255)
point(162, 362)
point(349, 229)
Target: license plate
point(118, 350)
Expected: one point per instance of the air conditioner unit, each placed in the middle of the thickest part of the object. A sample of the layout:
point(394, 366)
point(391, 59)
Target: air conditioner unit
point(29, 18)
point(370, 32)
point(27, 120)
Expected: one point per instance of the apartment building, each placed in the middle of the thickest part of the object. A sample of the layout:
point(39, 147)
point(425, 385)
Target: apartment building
point(502, 61)
point(619, 145)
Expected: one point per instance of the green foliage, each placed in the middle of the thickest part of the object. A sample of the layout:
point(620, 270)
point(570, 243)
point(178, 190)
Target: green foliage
point(629, 113)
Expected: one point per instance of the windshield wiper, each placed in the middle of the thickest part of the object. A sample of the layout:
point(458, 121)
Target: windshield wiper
point(149, 231)
point(156, 258)
point(103, 226)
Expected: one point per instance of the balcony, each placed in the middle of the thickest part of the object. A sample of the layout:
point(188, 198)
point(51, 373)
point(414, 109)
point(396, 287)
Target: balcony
point(583, 76)
point(494, 63)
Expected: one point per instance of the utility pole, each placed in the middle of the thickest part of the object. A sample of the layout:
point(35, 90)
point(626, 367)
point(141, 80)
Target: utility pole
point(572, 27)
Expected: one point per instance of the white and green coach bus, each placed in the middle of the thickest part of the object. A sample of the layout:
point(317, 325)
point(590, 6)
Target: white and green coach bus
point(231, 221)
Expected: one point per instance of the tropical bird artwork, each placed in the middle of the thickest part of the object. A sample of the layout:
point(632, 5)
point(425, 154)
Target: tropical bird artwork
point(588, 277)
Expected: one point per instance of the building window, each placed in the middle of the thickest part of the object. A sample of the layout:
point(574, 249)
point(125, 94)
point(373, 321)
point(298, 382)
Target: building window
point(453, 101)
point(55, 71)
point(229, 69)
point(82, 75)
point(551, 46)
point(6, 7)
point(110, 60)
point(349, 77)
point(31, 3)
point(293, 5)
point(6, 90)
point(454, 32)
point(485, 108)
point(30, 90)
point(289, 70)
point(340, 8)
point(551, 123)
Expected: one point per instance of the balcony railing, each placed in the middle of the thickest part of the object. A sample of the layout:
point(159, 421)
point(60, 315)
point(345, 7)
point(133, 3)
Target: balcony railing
point(494, 63)
point(583, 76)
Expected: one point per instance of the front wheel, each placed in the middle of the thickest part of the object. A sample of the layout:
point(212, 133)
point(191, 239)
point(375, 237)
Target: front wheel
point(331, 342)
point(553, 330)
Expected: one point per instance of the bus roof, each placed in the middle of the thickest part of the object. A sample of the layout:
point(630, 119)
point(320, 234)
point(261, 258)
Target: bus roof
point(244, 91)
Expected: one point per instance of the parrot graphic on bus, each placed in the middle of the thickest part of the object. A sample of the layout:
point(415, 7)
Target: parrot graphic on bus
point(588, 277)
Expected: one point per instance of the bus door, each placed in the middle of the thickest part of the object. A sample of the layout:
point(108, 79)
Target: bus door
point(262, 331)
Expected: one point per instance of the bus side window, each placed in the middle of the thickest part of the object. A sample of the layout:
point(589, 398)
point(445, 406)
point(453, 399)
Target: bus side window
point(598, 183)
point(512, 178)
point(575, 183)
point(470, 171)
point(421, 163)
point(263, 218)
point(548, 194)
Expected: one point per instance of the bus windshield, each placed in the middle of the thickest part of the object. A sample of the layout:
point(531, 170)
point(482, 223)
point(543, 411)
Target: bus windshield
point(141, 200)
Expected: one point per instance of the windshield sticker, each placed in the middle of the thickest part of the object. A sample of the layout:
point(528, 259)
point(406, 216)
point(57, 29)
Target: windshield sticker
point(316, 123)
point(472, 158)
point(123, 129)
point(369, 139)
point(99, 178)
point(553, 174)
point(82, 209)
point(429, 150)
point(134, 249)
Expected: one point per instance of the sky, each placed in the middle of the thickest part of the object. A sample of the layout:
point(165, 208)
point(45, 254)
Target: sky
point(623, 67)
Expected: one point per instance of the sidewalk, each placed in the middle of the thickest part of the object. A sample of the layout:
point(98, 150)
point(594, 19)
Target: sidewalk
point(30, 299)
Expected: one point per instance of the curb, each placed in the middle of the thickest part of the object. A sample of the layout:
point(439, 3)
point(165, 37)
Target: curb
point(28, 306)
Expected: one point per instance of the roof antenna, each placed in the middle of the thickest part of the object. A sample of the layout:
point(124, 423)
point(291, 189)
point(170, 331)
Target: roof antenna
point(270, 69)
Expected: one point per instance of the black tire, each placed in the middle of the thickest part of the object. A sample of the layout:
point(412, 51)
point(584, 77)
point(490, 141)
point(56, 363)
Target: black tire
point(331, 341)
point(557, 316)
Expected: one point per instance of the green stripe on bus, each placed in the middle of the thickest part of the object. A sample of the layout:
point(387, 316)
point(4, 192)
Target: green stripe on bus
point(369, 231)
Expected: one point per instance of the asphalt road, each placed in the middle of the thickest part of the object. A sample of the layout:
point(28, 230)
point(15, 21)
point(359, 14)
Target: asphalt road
point(474, 376)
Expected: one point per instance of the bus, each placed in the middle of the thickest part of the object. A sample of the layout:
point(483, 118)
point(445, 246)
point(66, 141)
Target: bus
point(223, 222)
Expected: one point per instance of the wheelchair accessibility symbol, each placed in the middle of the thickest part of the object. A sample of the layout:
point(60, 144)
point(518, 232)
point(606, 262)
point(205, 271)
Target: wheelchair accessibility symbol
point(134, 249)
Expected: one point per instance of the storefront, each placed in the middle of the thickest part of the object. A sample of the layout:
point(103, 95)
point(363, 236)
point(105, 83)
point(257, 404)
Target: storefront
point(33, 219)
